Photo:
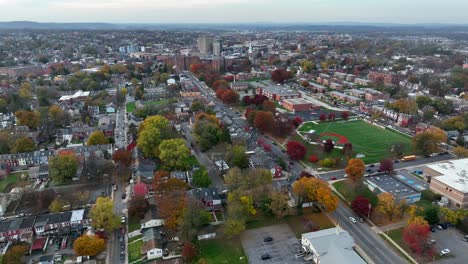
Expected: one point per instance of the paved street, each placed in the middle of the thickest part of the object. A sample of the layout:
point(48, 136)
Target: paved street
point(339, 174)
point(366, 238)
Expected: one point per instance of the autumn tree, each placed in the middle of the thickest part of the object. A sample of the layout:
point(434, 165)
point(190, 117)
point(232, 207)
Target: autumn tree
point(171, 207)
point(200, 178)
point(57, 205)
point(59, 117)
point(263, 120)
point(328, 146)
point(415, 236)
point(453, 216)
point(296, 150)
point(315, 190)
point(361, 206)
point(279, 205)
point(280, 75)
point(427, 142)
point(227, 96)
point(89, 245)
point(220, 84)
point(122, 156)
point(97, 138)
point(103, 216)
point(269, 106)
point(355, 169)
point(31, 119)
point(460, 152)
point(189, 252)
point(386, 165)
point(15, 254)
point(163, 184)
point(323, 117)
point(387, 205)
point(345, 115)
point(313, 158)
point(151, 132)
point(23, 144)
point(63, 168)
point(297, 121)
point(138, 207)
point(331, 116)
point(174, 153)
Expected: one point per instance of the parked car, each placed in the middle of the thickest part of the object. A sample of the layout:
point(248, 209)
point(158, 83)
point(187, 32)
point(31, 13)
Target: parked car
point(361, 220)
point(439, 227)
point(352, 219)
point(124, 195)
point(465, 238)
point(123, 219)
point(266, 256)
point(433, 229)
point(445, 251)
point(268, 239)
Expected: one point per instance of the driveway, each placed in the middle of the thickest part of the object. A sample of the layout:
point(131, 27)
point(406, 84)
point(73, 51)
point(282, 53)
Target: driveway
point(452, 239)
point(282, 249)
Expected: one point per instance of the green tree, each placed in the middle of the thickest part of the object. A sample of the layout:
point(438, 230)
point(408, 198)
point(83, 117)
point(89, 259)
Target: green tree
point(97, 138)
point(201, 178)
point(174, 153)
point(3, 106)
point(152, 131)
point(193, 218)
point(423, 101)
point(237, 156)
point(431, 215)
point(103, 216)
point(62, 168)
point(23, 144)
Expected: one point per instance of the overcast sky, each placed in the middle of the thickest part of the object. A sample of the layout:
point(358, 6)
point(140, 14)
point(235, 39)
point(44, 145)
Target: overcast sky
point(186, 11)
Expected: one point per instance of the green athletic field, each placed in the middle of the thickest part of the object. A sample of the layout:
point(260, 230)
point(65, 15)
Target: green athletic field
point(372, 141)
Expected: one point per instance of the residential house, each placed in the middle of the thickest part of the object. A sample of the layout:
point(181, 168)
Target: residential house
point(40, 172)
point(210, 198)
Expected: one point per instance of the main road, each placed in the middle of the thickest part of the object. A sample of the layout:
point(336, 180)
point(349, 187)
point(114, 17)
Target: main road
point(366, 238)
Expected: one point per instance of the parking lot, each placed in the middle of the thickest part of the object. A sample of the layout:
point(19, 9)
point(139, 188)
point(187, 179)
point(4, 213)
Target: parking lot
point(282, 249)
point(452, 239)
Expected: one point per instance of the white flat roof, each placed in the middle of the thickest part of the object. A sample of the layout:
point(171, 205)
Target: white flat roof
point(454, 173)
point(77, 215)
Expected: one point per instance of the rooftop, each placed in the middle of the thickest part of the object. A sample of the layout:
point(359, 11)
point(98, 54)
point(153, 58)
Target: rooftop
point(397, 185)
point(297, 101)
point(333, 245)
point(453, 173)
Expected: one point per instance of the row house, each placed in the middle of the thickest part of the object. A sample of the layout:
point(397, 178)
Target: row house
point(239, 86)
point(356, 93)
point(373, 95)
point(363, 82)
point(319, 88)
point(61, 223)
point(345, 97)
point(27, 159)
point(401, 119)
point(336, 86)
point(387, 78)
point(17, 229)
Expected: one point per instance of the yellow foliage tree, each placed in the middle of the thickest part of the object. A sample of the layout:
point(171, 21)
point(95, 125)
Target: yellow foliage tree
point(89, 245)
point(315, 190)
point(97, 138)
point(248, 202)
point(387, 205)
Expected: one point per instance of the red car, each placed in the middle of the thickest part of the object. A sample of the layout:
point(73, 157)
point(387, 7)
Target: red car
point(333, 178)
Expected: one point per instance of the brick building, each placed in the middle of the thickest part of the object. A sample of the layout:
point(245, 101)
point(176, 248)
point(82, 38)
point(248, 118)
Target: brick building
point(297, 105)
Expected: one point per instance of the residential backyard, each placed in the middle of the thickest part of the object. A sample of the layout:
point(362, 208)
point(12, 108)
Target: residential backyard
point(371, 141)
point(134, 251)
point(12, 181)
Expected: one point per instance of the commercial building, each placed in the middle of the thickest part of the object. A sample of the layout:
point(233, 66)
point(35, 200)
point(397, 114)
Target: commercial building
point(297, 104)
point(450, 179)
point(278, 93)
point(330, 246)
point(217, 48)
point(399, 186)
point(205, 44)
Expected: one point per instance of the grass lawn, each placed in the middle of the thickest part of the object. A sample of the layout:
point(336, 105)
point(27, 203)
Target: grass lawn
point(11, 181)
point(134, 251)
point(317, 151)
point(349, 192)
point(158, 102)
point(396, 235)
point(133, 224)
point(309, 222)
point(130, 107)
point(218, 251)
point(373, 142)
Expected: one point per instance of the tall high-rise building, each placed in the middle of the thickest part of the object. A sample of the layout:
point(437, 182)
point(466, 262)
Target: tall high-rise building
point(205, 44)
point(217, 48)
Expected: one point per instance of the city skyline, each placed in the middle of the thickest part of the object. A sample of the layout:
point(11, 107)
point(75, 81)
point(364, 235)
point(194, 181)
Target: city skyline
point(236, 11)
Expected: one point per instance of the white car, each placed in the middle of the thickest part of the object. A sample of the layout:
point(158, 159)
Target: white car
point(444, 252)
point(352, 219)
